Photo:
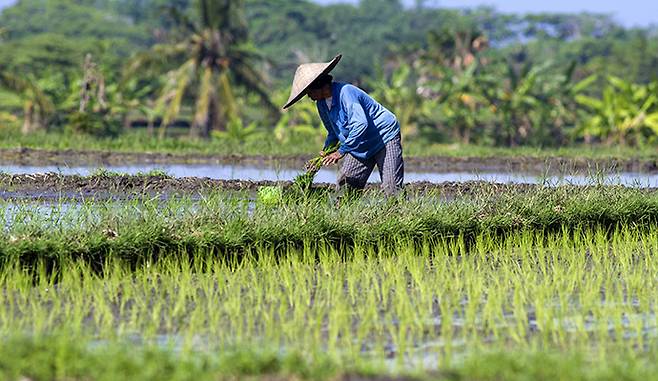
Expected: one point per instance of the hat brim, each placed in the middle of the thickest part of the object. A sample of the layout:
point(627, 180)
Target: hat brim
point(330, 66)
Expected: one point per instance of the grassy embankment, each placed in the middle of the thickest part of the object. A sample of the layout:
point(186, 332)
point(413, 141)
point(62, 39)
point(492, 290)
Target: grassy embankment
point(138, 141)
point(228, 223)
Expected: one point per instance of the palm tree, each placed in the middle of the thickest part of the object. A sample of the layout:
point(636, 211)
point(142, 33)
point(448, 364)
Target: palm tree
point(37, 106)
point(216, 55)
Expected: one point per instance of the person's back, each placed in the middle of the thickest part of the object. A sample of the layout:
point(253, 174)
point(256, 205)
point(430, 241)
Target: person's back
point(352, 108)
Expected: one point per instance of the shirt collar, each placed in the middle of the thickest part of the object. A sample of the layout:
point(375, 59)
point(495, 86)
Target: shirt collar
point(335, 93)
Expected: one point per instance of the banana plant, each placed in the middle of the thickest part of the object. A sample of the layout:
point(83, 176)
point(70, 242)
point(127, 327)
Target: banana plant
point(236, 131)
point(401, 94)
point(463, 105)
point(298, 124)
point(557, 117)
point(517, 101)
point(626, 113)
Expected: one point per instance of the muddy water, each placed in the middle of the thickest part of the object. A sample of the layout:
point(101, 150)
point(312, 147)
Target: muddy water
point(47, 214)
point(65, 213)
point(273, 173)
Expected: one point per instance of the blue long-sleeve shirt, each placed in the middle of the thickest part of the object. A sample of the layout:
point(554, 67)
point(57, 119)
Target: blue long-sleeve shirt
point(362, 125)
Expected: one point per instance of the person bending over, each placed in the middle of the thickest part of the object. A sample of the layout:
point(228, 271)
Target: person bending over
point(368, 133)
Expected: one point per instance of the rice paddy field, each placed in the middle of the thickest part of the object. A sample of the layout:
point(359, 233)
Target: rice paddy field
point(493, 283)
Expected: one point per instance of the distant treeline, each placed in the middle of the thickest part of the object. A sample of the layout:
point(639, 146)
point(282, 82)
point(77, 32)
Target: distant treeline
point(43, 34)
point(218, 65)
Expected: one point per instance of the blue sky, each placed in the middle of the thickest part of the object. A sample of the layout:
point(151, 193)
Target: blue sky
point(629, 12)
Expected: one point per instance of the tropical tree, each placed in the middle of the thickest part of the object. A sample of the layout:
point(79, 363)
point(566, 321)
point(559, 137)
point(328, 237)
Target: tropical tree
point(99, 104)
point(559, 113)
point(454, 75)
point(464, 104)
point(516, 101)
point(626, 113)
point(216, 55)
point(38, 108)
point(399, 92)
point(535, 102)
point(299, 124)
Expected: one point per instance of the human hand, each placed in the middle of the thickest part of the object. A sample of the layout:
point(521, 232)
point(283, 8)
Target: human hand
point(309, 165)
point(332, 158)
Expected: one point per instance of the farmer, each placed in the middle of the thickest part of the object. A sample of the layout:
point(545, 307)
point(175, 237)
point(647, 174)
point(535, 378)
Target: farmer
point(368, 133)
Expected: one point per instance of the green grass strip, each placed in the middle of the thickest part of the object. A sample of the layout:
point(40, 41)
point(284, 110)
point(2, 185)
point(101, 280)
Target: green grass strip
point(228, 223)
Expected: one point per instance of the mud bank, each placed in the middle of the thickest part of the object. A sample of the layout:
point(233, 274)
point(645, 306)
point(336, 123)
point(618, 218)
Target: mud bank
point(50, 186)
point(35, 157)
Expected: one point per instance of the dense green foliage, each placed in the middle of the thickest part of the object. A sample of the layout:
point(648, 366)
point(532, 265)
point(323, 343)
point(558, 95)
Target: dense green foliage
point(476, 76)
point(215, 55)
point(58, 357)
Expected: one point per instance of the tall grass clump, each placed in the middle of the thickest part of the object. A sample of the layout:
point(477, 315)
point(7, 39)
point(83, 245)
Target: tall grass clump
point(230, 224)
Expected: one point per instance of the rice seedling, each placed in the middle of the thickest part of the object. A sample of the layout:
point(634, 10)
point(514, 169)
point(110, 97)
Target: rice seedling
point(270, 195)
point(405, 306)
point(305, 180)
point(301, 185)
point(155, 173)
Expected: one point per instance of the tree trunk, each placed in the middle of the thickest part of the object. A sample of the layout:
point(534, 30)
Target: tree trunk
point(28, 115)
point(212, 121)
point(163, 130)
point(466, 136)
point(200, 130)
point(198, 125)
point(457, 133)
point(194, 131)
point(150, 127)
point(127, 122)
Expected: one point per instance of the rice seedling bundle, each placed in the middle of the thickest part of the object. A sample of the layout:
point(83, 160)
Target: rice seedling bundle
point(305, 180)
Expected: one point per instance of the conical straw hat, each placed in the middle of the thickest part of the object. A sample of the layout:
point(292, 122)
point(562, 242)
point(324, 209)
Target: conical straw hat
point(305, 75)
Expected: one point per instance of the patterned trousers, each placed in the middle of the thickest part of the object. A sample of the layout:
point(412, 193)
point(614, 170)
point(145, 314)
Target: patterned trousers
point(355, 172)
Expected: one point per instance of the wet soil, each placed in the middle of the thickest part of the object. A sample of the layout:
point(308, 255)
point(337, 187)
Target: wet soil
point(53, 186)
point(38, 157)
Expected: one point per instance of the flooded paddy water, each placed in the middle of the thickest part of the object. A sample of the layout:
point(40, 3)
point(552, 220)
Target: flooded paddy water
point(325, 175)
point(49, 188)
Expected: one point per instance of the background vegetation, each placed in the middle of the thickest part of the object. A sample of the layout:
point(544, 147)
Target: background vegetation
point(218, 69)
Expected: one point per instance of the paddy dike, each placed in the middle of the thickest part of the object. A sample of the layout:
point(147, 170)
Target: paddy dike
point(439, 164)
point(53, 186)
